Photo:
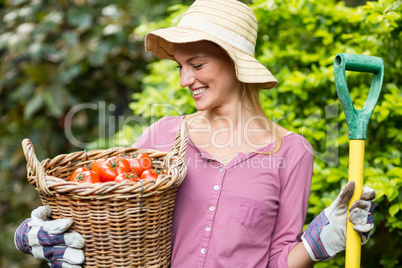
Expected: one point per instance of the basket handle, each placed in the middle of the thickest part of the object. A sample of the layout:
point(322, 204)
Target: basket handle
point(34, 166)
point(179, 150)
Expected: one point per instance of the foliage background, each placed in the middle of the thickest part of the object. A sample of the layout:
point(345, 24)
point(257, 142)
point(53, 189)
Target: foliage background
point(56, 55)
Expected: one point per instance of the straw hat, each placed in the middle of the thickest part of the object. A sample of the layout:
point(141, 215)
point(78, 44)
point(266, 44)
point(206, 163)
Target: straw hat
point(228, 23)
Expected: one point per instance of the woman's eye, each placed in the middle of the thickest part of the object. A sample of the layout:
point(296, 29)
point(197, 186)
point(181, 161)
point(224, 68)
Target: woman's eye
point(198, 66)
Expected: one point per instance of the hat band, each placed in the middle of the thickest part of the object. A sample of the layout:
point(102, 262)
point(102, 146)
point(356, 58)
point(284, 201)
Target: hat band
point(220, 32)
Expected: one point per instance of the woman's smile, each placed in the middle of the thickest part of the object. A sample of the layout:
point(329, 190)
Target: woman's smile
point(197, 93)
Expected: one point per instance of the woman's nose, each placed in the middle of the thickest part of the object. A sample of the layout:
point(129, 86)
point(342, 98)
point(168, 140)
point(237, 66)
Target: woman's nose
point(186, 78)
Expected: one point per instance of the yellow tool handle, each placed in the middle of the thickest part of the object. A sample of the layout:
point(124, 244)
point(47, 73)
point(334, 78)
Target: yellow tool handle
point(356, 167)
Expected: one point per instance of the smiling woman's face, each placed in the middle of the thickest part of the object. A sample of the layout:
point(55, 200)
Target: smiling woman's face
point(209, 73)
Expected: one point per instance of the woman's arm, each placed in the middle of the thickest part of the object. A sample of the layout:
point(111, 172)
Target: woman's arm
point(295, 182)
point(299, 258)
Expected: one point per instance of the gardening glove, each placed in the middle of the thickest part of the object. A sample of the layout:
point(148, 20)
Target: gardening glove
point(360, 214)
point(325, 236)
point(50, 240)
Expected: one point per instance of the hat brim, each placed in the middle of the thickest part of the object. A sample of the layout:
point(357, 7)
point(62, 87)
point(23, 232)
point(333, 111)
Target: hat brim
point(248, 69)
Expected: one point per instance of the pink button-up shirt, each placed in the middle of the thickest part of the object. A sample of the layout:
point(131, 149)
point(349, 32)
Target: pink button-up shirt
point(248, 213)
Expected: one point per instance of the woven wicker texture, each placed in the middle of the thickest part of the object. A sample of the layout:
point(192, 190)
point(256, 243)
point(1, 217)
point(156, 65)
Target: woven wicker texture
point(124, 224)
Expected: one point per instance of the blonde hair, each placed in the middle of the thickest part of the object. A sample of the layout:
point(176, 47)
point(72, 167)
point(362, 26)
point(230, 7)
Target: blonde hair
point(251, 92)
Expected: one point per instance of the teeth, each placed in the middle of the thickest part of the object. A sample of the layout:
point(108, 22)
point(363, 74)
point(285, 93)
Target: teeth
point(199, 91)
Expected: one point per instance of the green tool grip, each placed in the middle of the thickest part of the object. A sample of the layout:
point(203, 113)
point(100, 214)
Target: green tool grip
point(358, 120)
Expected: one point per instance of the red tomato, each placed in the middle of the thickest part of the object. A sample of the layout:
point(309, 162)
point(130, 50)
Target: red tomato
point(145, 160)
point(77, 171)
point(86, 176)
point(149, 174)
point(98, 162)
point(140, 163)
point(113, 167)
point(126, 176)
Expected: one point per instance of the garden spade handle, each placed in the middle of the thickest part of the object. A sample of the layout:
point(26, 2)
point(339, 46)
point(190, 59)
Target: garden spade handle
point(357, 121)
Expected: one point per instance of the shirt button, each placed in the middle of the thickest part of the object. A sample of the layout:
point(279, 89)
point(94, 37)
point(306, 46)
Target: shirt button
point(207, 228)
point(222, 170)
point(203, 250)
point(216, 187)
point(211, 208)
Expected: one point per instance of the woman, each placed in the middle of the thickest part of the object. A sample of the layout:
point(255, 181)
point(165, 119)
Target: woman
point(244, 199)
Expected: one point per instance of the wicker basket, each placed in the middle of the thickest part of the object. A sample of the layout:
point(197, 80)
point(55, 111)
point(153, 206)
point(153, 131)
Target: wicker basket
point(124, 224)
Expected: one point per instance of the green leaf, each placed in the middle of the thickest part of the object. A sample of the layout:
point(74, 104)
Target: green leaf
point(395, 172)
point(396, 4)
point(394, 209)
point(79, 17)
point(40, 73)
point(383, 114)
point(374, 18)
point(76, 53)
point(54, 98)
point(23, 92)
point(33, 105)
point(36, 51)
point(4, 39)
point(392, 16)
point(53, 18)
point(394, 194)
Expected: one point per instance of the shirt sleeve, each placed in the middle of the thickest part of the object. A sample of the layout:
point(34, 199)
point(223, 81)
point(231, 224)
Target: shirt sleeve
point(160, 135)
point(144, 141)
point(295, 190)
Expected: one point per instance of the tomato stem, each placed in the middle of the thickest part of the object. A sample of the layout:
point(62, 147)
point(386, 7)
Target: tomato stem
point(114, 164)
point(80, 177)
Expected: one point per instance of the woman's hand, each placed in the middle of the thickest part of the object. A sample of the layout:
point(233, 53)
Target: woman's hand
point(50, 240)
point(325, 236)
